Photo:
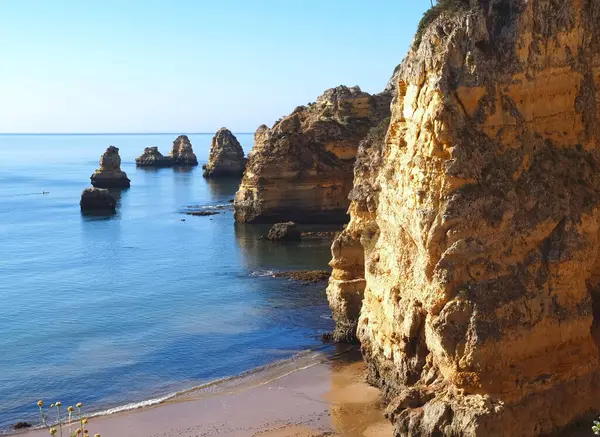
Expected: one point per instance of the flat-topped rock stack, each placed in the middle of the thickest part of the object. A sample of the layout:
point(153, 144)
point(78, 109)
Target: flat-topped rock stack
point(226, 157)
point(153, 158)
point(109, 175)
point(182, 153)
point(301, 169)
point(97, 200)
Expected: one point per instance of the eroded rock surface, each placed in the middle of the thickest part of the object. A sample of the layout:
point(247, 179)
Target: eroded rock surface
point(481, 269)
point(153, 158)
point(226, 157)
point(182, 153)
point(284, 232)
point(109, 175)
point(97, 200)
point(301, 169)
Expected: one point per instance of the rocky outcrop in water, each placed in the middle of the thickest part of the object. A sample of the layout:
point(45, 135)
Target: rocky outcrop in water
point(182, 153)
point(481, 239)
point(284, 232)
point(301, 169)
point(153, 158)
point(109, 175)
point(226, 157)
point(97, 200)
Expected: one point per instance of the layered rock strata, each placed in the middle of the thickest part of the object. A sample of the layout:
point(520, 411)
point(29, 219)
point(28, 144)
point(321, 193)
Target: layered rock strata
point(301, 168)
point(109, 175)
point(182, 153)
point(347, 282)
point(153, 158)
point(481, 258)
point(97, 200)
point(226, 156)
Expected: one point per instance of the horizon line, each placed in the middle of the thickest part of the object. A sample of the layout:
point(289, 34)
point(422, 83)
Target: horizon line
point(117, 133)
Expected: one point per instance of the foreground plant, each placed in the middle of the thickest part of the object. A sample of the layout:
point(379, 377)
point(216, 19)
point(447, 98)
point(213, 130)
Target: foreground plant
point(69, 422)
point(596, 427)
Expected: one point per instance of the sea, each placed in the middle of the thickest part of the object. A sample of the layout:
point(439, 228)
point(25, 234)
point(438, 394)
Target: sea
point(124, 311)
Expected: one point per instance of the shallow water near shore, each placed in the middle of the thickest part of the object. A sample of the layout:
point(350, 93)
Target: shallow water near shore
point(121, 310)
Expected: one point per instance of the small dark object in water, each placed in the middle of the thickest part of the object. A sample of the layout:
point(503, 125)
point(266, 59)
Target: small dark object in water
point(231, 200)
point(182, 220)
point(305, 276)
point(21, 425)
point(284, 232)
point(202, 213)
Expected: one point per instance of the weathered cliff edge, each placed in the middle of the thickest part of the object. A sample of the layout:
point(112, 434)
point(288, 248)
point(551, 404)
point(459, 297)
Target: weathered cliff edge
point(301, 169)
point(151, 157)
point(109, 175)
point(226, 156)
point(182, 153)
point(481, 241)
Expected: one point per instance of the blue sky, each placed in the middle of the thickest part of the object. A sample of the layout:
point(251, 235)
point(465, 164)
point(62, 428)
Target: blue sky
point(188, 65)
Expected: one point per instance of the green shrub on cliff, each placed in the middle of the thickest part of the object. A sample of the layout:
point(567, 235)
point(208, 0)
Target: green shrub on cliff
point(435, 11)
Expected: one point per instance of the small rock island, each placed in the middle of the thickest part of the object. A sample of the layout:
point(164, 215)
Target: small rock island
point(226, 158)
point(97, 200)
point(153, 158)
point(109, 175)
point(182, 153)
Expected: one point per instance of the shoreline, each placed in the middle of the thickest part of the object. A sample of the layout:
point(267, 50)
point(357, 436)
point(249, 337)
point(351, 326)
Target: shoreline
point(316, 394)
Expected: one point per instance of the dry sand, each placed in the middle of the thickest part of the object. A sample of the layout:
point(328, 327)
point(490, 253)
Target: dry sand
point(310, 397)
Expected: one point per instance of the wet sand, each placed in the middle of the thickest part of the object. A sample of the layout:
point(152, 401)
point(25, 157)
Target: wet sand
point(315, 397)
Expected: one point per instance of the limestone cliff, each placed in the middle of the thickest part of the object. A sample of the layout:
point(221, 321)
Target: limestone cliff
point(182, 153)
point(153, 158)
point(482, 238)
point(301, 168)
point(109, 175)
point(226, 156)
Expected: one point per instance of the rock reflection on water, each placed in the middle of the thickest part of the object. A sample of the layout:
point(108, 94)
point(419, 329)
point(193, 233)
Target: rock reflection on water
point(223, 187)
point(259, 253)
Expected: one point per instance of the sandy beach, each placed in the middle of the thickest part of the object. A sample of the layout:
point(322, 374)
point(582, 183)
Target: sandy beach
point(312, 396)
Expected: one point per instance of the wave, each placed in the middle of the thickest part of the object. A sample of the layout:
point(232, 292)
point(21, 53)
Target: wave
point(262, 273)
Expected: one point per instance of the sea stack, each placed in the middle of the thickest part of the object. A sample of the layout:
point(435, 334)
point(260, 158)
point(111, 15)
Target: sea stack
point(153, 158)
point(226, 158)
point(481, 309)
point(97, 200)
point(182, 153)
point(301, 169)
point(109, 175)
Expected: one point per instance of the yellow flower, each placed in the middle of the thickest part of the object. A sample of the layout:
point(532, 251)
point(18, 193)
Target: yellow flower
point(78, 431)
point(84, 421)
point(51, 405)
point(52, 431)
point(40, 403)
point(70, 409)
point(96, 435)
point(79, 405)
point(85, 431)
point(58, 404)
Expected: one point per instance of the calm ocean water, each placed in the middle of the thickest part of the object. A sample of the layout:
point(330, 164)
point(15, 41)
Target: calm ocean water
point(116, 311)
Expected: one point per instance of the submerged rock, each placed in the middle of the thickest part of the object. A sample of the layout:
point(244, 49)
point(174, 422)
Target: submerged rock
point(21, 425)
point(301, 168)
point(477, 235)
point(202, 213)
point(182, 153)
point(109, 175)
point(97, 200)
point(284, 232)
point(305, 276)
point(153, 158)
point(226, 156)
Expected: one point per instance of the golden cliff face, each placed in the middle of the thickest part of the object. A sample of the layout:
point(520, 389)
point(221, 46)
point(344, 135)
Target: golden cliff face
point(481, 267)
point(301, 169)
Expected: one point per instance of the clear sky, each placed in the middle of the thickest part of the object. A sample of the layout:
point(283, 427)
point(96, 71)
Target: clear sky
point(188, 65)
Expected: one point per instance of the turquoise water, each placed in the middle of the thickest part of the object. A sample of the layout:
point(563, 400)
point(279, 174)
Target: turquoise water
point(114, 311)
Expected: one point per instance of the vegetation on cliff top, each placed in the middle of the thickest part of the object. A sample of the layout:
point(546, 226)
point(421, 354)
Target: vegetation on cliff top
point(435, 11)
